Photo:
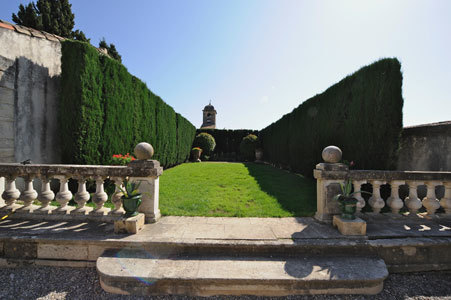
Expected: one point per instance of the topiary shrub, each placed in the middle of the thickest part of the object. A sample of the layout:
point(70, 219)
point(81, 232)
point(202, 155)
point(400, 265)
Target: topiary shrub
point(206, 142)
point(248, 145)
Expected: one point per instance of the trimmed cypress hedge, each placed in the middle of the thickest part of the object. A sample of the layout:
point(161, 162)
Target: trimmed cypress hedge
point(105, 110)
point(227, 141)
point(362, 114)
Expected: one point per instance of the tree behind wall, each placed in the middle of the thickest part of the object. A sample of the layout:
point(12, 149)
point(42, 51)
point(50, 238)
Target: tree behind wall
point(52, 16)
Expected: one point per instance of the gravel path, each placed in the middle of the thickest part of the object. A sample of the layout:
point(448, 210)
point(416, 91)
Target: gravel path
point(82, 283)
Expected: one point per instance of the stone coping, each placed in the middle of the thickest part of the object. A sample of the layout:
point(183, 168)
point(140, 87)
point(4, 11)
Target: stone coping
point(138, 168)
point(30, 31)
point(383, 175)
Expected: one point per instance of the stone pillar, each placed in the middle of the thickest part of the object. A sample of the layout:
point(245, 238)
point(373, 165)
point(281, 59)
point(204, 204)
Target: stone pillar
point(2, 189)
point(326, 186)
point(150, 186)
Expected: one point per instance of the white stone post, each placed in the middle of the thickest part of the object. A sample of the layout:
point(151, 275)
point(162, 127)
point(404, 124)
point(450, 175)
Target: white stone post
point(63, 196)
point(116, 197)
point(413, 203)
point(430, 201)
point(81, 197)
point(445, 202)
point(11, 193)
point(376, 202)
point(45, 197)
point(150, 186)
point(327, 188)
point(358, 195)
point(394, 202)
point(99, 198)
point(2, 189)
point(29, 195)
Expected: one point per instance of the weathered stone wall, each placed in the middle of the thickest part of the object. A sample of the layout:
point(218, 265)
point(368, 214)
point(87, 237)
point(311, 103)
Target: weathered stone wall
point(30, 67)
point(426, 148)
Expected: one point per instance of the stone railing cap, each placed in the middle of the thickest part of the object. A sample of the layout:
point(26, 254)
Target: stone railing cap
point(147, 168)
point(382, 175)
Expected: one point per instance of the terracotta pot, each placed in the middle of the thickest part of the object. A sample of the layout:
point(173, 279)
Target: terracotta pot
point(196, 155)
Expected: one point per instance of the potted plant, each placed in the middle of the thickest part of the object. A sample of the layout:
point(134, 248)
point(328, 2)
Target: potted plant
point(346, 200)
point(195, 153)
point(131, 198)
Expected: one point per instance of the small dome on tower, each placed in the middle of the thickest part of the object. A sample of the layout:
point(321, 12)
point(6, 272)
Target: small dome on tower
point(209, 107)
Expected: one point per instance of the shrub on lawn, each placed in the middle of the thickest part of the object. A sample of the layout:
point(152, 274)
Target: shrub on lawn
point(227, 142)
point(248, 146)
point(362, 114)
point(206, 142)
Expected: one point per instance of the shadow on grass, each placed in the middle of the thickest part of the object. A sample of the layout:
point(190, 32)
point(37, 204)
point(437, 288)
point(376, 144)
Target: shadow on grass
point(294, 192)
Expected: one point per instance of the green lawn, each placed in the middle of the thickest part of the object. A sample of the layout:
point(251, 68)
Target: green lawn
point(235, 190)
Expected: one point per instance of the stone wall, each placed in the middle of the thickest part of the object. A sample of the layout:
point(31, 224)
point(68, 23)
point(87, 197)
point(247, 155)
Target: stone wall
point(426, 147)
point(30, 67)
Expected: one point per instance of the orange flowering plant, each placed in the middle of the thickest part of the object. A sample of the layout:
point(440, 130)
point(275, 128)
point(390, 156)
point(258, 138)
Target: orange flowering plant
point(122, 160)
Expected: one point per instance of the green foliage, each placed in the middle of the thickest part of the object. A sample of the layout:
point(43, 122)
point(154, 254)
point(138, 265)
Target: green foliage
point(53, 16)
point(111, 48)
point(235, 190)
point(112, 111)
point(129, 189)
point(185, 137)
point(206, 142)
point(362, 114)
point(248, 146)
point(28, 16)
point(79, 35)
point(227, 142)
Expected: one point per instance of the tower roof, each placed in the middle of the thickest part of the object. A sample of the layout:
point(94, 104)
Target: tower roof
point(209, 107)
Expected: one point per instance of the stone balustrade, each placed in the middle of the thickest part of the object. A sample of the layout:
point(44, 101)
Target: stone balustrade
point(30, 204)
point(329, 176)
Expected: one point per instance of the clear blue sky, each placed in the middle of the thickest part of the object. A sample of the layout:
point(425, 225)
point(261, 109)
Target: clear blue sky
point(259, 59)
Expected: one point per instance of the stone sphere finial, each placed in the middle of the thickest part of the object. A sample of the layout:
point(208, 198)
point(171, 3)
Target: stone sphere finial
point(144, 151)
point(332, 154)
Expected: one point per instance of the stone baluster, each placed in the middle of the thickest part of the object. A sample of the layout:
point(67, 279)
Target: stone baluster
point(29, 195)
point(46, 196)
point(445, 202)
point(63, 196)
point(81, 197)
point(413, 203)
point(394, 202)
point(100, 197)
point(358, 195)
point(376, 202)
point(430, 202)
point(116, 197)
point(11, 193)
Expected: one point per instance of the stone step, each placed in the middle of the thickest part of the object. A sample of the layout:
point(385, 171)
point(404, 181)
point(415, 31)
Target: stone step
point(139, 273)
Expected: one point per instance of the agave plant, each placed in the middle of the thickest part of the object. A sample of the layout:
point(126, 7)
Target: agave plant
point(130, 189)
point(346, 200)
point(346, 195)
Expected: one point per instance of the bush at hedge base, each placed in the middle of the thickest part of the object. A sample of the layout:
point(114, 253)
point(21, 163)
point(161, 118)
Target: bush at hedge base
point(206, 142)
point(248, 146)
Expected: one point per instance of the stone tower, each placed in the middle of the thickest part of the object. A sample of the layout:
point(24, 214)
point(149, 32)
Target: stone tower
point(209, 121)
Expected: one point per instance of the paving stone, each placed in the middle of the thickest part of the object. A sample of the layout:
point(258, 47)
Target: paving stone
point(204, 231)
point(248, 232)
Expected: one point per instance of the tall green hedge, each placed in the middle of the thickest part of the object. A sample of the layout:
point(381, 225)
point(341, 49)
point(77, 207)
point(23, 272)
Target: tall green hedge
point(104, 110)
point(362, 114)
point(227, 140)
